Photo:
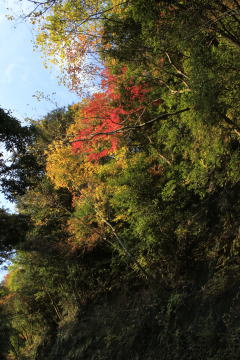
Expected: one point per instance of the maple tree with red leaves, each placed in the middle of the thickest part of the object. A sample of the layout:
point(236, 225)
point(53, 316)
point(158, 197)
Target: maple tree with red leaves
point(105, 114)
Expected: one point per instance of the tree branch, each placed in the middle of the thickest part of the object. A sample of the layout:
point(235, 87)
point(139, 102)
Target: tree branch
point(174, 66)
point(133, 127)
point(235, 127)
point(123, 246)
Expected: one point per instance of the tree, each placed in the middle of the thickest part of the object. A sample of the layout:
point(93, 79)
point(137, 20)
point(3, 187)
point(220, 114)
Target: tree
point(14, 138)
point(137, 201)
point(12, 232)
point(12, 134)
point(70, 34)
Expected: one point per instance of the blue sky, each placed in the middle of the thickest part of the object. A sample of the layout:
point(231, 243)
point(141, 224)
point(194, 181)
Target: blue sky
point(23, 74)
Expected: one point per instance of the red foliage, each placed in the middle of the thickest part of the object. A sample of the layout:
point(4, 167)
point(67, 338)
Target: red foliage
point(98, 118)
point(103, 116)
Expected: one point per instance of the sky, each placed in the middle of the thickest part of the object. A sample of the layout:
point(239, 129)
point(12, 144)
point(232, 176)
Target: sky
point(23, 74)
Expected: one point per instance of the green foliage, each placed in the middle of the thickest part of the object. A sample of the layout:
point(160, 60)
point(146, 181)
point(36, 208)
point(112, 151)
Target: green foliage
point(12, 134)
point(134, 255)
point(15, 140)
point(13, 230)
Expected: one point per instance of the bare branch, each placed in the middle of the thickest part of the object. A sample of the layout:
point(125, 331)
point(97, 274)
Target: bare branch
point(235, 127)
point(123, 246)
point(133, 127)
point(174, 66)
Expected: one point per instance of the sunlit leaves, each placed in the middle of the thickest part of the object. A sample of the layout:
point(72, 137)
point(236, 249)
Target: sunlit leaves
point(70, 36)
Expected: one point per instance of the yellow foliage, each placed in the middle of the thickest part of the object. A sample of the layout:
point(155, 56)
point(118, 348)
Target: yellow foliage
point(119, 6)
point(65, 168)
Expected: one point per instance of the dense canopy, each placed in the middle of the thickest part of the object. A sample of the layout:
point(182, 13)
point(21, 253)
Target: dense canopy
point(126, 236)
